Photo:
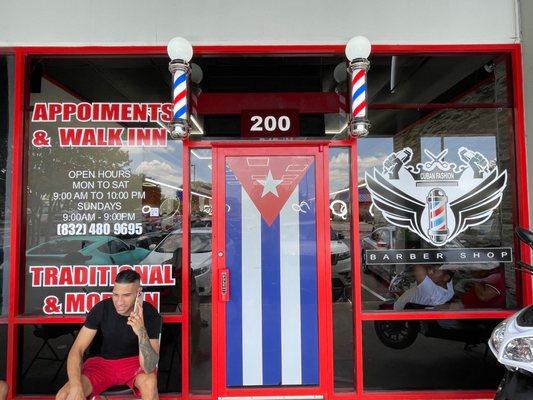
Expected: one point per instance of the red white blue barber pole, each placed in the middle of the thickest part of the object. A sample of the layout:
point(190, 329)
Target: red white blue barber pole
point(180, 53)
point(357, 52)
point(437, 202)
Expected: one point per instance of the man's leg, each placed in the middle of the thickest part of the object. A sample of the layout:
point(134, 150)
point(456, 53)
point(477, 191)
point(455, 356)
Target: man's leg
point(147, 385)
point(64, 391)
point(3, 390)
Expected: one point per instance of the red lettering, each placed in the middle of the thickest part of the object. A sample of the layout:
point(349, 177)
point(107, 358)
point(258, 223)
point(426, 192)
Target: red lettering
point(103, 272)
point(50, 276)
point(36, 273)
point(80, 274)
point(125, 112)
point(159, 137)
point(40, 112)
point(74, 303)
point(89, 137)
point(70, 136)
point(142, 270)
point(69, 109)
point(154, 111)
point(166, 112)
point(139, 112)
point(115, 136)
point(156, 276)
point(54, 110)
point(91, 299)
point(65, 276)
point(167, 273)
point(109, 112)
point(84, 112)
point(93, 281)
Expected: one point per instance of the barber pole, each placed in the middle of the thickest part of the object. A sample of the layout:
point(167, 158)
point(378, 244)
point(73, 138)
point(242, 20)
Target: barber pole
point(179, 88)
point(357, 51)
point(359, 124)
point(180, 53)
point(358, 91)
point(180, 126)
point(437, 202)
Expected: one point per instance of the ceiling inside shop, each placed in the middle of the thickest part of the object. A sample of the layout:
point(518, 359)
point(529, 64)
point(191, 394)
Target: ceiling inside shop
point(391, 80)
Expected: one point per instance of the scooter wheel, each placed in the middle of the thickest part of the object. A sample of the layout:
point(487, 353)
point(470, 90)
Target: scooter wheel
point(396, 334)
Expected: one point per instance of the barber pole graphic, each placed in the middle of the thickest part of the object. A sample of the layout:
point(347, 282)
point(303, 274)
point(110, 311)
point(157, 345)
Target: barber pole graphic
point(358, 84)
point(272, 312)
point(179, 89)
point(437, 202)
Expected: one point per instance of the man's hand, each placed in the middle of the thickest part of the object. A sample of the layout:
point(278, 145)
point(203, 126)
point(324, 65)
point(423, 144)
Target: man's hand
point(136, 319)
point(75, 391)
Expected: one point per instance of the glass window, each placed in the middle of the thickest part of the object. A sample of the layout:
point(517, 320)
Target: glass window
point(426, 79)
point(422, 231)
point(3, 351)
point(6, 113)
point(200, 270)
point(44, 351)
point(341, 265)
point(104, 182)
point(429, 355)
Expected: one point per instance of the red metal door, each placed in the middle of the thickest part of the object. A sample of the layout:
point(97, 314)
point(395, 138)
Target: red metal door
point(270, 271)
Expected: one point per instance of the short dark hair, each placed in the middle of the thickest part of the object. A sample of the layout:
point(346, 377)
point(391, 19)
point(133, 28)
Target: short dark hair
point(128, 276)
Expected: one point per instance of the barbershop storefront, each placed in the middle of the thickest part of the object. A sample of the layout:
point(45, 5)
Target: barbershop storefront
point(283, 253)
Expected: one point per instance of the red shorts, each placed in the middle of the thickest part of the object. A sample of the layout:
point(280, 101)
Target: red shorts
point(104, 373)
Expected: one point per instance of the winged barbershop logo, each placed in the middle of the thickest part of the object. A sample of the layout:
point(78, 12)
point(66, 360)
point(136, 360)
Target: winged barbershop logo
point(437, 199)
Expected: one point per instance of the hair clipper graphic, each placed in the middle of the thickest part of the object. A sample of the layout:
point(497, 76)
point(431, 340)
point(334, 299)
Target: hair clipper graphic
point(475, 160)
point(437, 202)
point(394, 162)
point(415, 196)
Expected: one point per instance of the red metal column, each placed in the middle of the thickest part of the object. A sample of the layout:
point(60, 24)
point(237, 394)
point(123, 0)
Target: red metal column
point(16, 220)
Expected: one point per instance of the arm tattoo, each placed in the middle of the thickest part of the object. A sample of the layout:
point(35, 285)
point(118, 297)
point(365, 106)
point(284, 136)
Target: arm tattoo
point(150, 357)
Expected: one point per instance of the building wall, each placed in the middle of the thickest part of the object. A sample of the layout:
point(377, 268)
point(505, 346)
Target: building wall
point(526, 17)
point(140, 22)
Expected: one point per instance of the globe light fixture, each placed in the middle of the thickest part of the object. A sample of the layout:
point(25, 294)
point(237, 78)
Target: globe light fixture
point(180, 52)
point(357, 51)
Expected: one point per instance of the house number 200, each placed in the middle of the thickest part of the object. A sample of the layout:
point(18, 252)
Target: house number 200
point(270, 123)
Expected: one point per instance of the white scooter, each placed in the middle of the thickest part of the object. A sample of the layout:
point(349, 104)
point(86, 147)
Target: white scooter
point(512, 344)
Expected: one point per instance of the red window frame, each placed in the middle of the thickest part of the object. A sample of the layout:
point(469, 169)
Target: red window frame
point(14, 320)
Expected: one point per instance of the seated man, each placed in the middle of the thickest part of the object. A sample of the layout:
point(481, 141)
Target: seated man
point(433, 287)
point(130, 331)
point(3, 390)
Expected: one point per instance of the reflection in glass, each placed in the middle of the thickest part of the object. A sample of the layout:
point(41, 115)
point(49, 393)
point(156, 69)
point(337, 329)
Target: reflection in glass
point(442, 136)
point(94, 208)
point(43, 356)
point(429, 355)
point(3, 351)
point(341, 265)
point(6, 112)
point(201, 206)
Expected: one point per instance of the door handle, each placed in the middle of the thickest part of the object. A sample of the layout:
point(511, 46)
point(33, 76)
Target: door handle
point(223, 279)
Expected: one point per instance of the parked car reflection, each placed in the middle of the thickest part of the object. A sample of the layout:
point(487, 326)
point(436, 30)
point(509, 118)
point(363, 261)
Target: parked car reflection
point(200, 255)
point(92, 250)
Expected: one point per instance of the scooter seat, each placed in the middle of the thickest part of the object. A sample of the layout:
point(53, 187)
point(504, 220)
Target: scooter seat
point(525, 236)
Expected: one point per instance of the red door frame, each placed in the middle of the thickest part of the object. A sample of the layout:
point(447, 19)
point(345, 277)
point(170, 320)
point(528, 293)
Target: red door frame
point(15, 319)
point(219, 154)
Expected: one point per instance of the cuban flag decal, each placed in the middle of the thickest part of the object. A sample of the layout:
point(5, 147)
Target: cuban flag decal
point(271, 316)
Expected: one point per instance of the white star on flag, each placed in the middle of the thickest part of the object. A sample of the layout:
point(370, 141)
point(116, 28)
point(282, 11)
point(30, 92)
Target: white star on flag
point(270, 184)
